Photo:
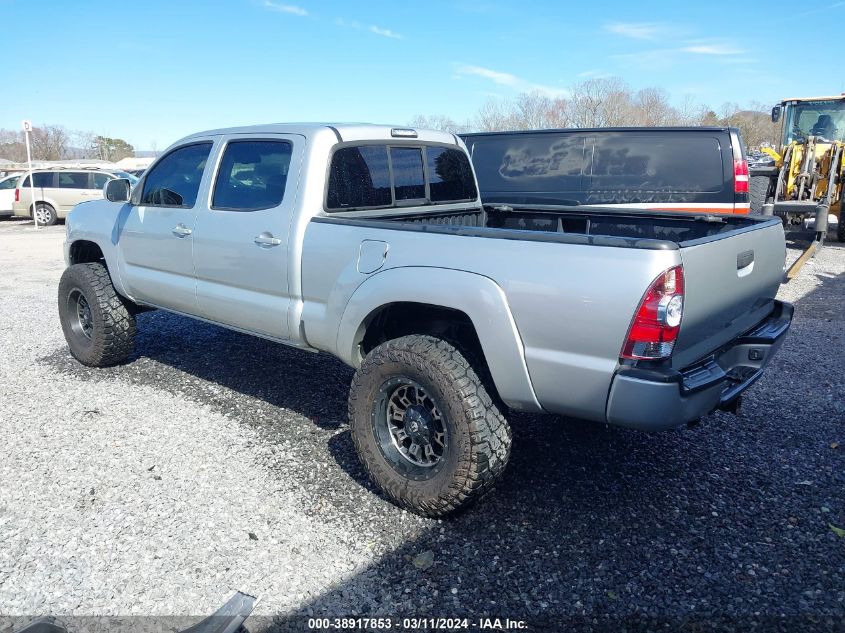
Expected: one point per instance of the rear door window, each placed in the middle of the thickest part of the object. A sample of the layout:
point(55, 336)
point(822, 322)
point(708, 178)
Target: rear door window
point(175, 180)
point(687, 163)
point(359, 178)
point(252, 175)
point(73, 180)
point(41, 179)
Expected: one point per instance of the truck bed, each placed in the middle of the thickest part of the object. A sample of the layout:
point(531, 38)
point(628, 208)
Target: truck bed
point(632, 228)
point(560, 289)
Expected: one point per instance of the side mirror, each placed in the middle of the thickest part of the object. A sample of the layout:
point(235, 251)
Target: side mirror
point(776, 114)
point(117, 190)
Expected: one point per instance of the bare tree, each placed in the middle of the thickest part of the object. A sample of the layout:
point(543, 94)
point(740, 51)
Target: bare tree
point(49, 142)
point(437, 122)
point(652, 108)
point(530, 111)
point(754, 123)
point(690, 112)
point(12, 146)
point(586, 104)
point(83, 144)
point(558, 114)
point(492, 116)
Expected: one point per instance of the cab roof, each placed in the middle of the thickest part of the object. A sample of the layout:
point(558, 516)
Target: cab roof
point(834, 98)
point(344, 132)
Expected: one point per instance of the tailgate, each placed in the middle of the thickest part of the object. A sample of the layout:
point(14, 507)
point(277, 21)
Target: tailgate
point(730, 281)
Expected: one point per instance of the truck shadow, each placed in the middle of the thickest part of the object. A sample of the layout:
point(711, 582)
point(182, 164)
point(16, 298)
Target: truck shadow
point(272, 388)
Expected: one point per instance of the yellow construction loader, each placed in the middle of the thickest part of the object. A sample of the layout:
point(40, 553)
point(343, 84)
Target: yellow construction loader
point(805, 186)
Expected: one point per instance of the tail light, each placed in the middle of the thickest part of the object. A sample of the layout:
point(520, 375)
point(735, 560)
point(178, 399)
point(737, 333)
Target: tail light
point(655, 327)
point(740, 176)
point(17, 195)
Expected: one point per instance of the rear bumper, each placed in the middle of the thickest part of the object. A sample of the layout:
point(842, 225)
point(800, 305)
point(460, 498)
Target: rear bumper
point(662, 398)
point(786, 207)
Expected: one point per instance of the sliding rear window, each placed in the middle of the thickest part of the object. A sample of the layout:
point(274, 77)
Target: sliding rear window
point(381, 176)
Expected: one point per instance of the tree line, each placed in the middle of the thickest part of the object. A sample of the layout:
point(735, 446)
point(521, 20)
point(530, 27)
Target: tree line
point(607, 102)
point(54, 142)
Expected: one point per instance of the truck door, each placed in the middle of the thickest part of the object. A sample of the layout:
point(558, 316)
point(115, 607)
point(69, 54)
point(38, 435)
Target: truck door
point(241, 245)
point(156, 236)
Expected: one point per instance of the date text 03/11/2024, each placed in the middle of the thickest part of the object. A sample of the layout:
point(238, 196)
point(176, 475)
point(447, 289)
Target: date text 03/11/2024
point(417, 623)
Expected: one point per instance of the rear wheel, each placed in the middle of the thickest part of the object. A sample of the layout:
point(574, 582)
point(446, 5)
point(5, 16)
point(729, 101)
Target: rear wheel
point(424, 426)
point(45, 214)
point(98, 324)
point(758, 189)
point(840, 228)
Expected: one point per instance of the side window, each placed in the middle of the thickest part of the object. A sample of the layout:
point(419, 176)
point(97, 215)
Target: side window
point(252, 175)
point(359, 177)
point(100, 180)
point(41, 179)
point(450, 175)
point(528, 164)
point(657, 163)
point(175, 179)
point(408, 175)
point(73, 180)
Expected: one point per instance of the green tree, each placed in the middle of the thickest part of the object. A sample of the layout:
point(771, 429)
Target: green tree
point(111, 149)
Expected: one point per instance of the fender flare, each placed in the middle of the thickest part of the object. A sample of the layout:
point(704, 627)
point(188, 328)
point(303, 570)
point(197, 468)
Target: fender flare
point(102, 230)
point(477, 296)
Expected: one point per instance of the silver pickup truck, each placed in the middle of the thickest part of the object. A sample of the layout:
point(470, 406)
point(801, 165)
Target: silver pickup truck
point(370, 243)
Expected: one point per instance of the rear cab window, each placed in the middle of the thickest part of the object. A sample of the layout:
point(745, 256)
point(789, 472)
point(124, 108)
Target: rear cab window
point(377, 176)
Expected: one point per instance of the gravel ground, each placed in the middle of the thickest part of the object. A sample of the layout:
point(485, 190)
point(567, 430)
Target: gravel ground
point(214, 462)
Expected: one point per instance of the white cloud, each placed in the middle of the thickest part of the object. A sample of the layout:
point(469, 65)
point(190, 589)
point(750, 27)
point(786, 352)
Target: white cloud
point(385, 32)
point(509, 80)
point(352, 24)
point(635, 30)
point(663, 58)
point(292, 9)
point(594, 73)
point(650, 60)
point(377, 30)
point(712, 49)
point(504, 79)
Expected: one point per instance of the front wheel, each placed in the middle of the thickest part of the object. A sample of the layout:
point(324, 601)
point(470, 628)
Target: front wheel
point(98, 324)
point(840, 228)
point(425, 427)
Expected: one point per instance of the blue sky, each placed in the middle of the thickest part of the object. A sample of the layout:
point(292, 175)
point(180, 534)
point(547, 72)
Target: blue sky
point(151, 72)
